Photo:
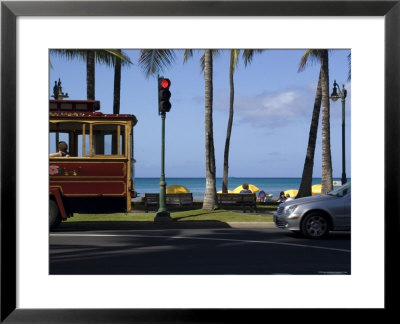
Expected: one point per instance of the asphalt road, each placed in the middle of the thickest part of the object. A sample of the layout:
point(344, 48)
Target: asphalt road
point(209, 249)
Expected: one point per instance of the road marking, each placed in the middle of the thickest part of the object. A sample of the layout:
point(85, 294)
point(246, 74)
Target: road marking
point(199, 238)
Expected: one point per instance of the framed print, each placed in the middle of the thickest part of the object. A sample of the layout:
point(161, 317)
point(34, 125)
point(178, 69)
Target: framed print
point(383, 150)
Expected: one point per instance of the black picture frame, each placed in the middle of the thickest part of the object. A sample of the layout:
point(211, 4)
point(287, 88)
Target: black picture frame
point(10, 10)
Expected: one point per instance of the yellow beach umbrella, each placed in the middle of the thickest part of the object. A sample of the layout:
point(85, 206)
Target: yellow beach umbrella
point(292, 193)
point(316, 189)
point(229, 191)
point(176, 189)
point(252, 188)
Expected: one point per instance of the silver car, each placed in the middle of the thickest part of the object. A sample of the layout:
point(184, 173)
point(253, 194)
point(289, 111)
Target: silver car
point(315, 216)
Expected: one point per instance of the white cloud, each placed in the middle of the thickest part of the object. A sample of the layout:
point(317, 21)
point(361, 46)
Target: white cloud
point(273, 104)
point(274, 108)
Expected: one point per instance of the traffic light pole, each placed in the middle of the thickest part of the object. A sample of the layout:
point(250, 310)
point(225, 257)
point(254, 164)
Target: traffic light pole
point(344, 178)
point(162, 214)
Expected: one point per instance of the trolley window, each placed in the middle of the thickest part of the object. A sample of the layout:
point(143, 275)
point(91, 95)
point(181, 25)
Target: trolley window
point(106, 139)
point(87, 139)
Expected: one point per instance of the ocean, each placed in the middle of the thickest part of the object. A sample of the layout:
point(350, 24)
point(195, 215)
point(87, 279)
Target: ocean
point(197, 185)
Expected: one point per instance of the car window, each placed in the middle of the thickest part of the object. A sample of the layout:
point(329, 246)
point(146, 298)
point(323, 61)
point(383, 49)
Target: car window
point(341, 191)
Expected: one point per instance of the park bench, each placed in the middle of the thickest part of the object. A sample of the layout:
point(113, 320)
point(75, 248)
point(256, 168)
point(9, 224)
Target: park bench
point(151, 200)
point(238, 200)
point(177, 199)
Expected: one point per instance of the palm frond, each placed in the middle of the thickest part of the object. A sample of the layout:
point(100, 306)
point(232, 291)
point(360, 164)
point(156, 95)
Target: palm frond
point(70, 54)
point(310, 56)
point(203, 60)
point(248, 55)
point(106, 57)
point(214, 53)
point(234, 59)
point(125, 60)
point(153, 61)
point(349, 61)
point(186, 55)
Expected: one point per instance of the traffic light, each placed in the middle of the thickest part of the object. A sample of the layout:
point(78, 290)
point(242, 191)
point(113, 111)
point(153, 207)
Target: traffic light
point(163, 95)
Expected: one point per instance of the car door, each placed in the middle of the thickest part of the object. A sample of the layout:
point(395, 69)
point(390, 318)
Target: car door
point(342, 212)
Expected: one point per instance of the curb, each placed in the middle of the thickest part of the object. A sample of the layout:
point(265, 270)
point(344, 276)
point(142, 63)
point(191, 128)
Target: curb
point(251, 224)
point(107, 226)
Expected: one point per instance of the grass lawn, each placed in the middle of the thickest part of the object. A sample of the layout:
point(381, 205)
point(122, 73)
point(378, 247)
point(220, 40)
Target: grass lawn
point(195, 214)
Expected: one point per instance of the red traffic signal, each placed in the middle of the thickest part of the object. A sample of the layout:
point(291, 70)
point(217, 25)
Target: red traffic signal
point(163, 95)
point(165, 83)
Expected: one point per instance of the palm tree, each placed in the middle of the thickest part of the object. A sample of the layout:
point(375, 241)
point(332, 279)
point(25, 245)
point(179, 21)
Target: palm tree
point(210, 196)
point(117, 83)
point(326, 182)
point(206, 62)
point(90, 75)
point(153, 61)
point(107, 56)
point(234, 59)
point(321, 96)
point(306, 179)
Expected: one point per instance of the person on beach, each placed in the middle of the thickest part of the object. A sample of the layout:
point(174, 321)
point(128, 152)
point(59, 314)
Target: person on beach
point(288, 197)
point(245, 188)
point(62, 150)
point(282, 197)
point(261, 196)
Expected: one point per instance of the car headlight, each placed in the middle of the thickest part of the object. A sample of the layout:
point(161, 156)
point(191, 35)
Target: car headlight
point(288, 210)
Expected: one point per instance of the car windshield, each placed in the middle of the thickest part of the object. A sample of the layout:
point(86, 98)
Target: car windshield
point(341, 191)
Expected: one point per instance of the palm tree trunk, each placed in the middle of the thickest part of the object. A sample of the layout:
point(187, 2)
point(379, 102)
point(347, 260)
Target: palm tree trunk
point(117, 95)
point(228, 131)
point(306, 179)
point(90, 66)
point(327, 183)
point(210, 196)
point(117, 85)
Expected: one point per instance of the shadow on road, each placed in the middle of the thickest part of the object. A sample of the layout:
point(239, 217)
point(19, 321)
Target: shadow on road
point(132, 225)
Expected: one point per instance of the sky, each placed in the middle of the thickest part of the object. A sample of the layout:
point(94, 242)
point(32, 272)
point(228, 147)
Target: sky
point(272, 112)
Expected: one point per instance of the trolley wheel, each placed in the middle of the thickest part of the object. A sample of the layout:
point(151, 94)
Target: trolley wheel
point(54, 215)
